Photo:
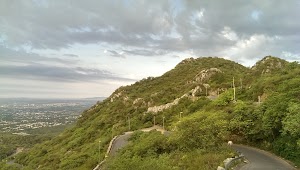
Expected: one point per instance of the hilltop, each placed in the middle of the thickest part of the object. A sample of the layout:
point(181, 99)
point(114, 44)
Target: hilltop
point(265, 112)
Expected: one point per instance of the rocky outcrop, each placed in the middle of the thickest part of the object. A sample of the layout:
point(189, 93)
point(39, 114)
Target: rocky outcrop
point(268, 64)
point(121, 95)
point(160, 108)
point(195, 90)
point(137, 100)
point(205, 75)
point(188, 60)
point(115, 96)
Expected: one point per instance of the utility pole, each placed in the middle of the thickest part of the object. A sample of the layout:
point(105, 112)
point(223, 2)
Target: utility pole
point(241, 83)
point(129, 122)
point(164, 122)
point(112, 131)
point(180, 115)
point(233, 89)
point(206, 86)
point(99, 151)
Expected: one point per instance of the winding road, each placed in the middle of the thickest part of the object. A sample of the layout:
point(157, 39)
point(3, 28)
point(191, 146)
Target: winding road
point(119, 143)
point(122, 140)
point(261, 160)
point(256, 159)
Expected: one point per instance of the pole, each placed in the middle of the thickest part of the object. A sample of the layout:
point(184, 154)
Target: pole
point(99, 151)
point(233, 89)
point(112, 131)
point(163, 122)
point(154, 120)
point(129, 122)
point(241, 83)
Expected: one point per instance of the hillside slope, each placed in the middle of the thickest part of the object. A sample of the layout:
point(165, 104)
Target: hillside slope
point(186, 89)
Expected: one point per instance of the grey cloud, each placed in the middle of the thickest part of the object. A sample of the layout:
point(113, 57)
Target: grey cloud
point(145, 52)
point(43, 28)
point(55, 73)
point(21, 56)
point(70, 55)
point(150, 28)
point(116, 54)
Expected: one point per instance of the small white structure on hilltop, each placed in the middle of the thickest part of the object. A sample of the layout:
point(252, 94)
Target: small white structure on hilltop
point(230, 143)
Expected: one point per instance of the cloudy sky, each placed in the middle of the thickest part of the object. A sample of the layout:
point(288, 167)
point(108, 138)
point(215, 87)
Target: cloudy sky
point(76, 49)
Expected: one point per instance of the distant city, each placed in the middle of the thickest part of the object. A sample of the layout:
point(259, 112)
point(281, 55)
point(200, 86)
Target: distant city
point(20, 115)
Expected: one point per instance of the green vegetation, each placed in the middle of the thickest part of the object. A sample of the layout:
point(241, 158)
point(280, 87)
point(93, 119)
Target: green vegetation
point(155, 150)
point(9, 142)
point(197, 139)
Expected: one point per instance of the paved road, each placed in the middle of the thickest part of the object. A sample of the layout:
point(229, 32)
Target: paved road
point(120, 142)
point(261, 160)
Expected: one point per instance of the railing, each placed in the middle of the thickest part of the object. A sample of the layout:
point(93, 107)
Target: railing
point(110, 146)
point(229, 161)
point(98, 167)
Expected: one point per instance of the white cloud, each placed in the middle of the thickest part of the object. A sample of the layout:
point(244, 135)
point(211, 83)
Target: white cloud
point(229, 34)
point(200, 14)
point(290, 56)
point(248, 50)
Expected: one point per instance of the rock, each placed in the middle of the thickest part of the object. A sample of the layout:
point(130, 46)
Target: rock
point(116, 96)
point(205, 75)
point(160, 108)
point(220, 168)
point(227, 160)
point(137, 100)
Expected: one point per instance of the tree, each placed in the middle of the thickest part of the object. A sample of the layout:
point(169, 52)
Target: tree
point(291, 123)
point(203, 130)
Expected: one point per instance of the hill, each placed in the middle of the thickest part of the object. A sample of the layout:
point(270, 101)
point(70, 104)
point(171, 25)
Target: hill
point(264, 112)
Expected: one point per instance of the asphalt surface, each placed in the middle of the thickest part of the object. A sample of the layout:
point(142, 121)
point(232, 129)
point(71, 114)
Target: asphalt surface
point(261, 160)
point(119, 143)
point(122, 140)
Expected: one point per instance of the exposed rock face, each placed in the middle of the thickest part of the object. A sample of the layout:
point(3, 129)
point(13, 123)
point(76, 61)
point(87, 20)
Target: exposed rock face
point(268, 64)
point(121, 95)
point(126, 98)
point(188, 60)
point(195, 90)
point(160, 108)
point(201, 77)
point(138, 102)
point(205, 75)
point(115, 96)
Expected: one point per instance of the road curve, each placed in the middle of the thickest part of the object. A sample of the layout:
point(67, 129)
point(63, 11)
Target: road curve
point(261, 160)
point(120, 142)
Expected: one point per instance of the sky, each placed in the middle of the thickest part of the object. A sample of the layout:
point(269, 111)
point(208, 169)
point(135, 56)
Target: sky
point(79, 49)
